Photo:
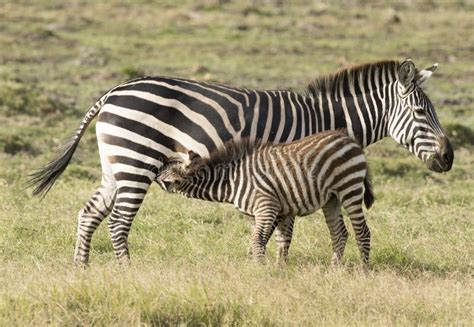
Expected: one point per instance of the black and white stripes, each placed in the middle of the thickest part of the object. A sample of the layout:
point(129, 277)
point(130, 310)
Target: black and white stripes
point(142, 123)
point(275, 183)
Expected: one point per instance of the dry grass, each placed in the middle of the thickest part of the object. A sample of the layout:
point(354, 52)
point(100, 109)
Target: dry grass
point(189, 263)
point(230, 293)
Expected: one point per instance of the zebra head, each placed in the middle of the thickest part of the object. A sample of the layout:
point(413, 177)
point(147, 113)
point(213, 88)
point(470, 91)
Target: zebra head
point(171, 176)
point(177, 176)
point(413, 122)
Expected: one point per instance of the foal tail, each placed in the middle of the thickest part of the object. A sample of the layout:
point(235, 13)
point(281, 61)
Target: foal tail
point(368, 193)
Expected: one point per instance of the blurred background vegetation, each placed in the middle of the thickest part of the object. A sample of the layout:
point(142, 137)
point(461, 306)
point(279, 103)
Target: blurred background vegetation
point(58, 57)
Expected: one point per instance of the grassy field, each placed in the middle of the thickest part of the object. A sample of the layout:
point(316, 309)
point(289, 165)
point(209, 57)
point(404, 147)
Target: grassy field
point(189, 263)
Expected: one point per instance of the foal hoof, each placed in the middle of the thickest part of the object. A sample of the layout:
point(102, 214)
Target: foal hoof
point(260, 259)
point(124, 261)
point(81, 264)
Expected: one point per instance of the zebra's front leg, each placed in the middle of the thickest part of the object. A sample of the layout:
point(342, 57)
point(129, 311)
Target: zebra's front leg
point(283, 236)
point(264, 225)
point(337, 229)
point(252, 230)
point(127, 204)
point(89, 218)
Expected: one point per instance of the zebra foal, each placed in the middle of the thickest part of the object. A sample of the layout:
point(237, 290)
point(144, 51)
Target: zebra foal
point(275, 183)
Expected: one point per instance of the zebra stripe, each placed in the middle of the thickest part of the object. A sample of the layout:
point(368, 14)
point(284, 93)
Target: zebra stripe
point(275, 183)
point(144, 122)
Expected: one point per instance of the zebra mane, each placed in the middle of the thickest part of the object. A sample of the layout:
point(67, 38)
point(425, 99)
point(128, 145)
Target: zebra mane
point(331, 83)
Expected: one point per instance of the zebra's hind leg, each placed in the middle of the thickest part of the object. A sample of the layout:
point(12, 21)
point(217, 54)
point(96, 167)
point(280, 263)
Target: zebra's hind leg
point(361, 230)
point(337, 229)
point(129, 198)
point(97, 208)
point(283, 236)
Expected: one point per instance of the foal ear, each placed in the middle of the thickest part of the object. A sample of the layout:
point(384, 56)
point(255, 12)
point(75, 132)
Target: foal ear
point(406, 73)
point(423, 75)
point(193, 157)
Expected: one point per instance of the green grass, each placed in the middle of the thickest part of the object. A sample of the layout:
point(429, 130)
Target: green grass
point(189, 262)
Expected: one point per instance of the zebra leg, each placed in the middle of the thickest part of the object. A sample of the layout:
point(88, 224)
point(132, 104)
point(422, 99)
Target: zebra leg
point(337, 229)
point(252, 229)
point(361, 230)
point(128, 200)
point(283, 236)
point(97, 208)
point(264, 226)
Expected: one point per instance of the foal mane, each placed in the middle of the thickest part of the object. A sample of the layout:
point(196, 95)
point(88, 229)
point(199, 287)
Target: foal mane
point(231, 152)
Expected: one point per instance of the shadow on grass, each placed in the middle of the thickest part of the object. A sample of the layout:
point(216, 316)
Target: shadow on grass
point(386, 258)
point(399, 169)
point(460, 135)
point(200, 312)
point(395, 258)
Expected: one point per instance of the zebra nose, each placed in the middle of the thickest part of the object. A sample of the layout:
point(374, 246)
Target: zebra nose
point(446, 153)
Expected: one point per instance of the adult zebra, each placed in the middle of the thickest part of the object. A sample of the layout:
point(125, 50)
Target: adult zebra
point(143, 122)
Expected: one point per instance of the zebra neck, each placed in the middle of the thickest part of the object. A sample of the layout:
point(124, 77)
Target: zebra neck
point(363, 114)
point(222, 190)
point(214, 186)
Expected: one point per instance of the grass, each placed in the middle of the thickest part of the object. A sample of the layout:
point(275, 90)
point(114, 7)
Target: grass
point(189, 263)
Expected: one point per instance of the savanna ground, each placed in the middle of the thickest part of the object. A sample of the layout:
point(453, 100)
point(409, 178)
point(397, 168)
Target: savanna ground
point(189, 262)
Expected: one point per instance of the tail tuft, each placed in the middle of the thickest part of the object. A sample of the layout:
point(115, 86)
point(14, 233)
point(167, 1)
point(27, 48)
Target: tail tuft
point(44, 178)
point(368, 193)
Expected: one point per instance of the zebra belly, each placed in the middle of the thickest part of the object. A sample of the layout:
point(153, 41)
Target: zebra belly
point(297, 204)
point(307, 211)
point(301, 211)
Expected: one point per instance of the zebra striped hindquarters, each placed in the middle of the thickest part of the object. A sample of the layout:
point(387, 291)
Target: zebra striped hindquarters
point(275, 183)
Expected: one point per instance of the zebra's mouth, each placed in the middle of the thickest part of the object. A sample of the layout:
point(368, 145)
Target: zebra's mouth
point(437, 165)
point(165, 185)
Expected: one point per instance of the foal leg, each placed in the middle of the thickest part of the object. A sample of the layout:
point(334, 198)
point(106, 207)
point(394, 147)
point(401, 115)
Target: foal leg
point(252, 230)
point(361, 230)
point(264, 225)
point(283, 236)
point(337, 228)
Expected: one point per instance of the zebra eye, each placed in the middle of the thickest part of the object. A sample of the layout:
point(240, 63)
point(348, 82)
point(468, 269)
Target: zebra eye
point(419, 110)
point(178, 183)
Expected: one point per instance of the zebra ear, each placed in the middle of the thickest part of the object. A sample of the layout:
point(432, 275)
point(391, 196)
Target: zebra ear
point(193, 157)
point(406, 73)
point(423, 75)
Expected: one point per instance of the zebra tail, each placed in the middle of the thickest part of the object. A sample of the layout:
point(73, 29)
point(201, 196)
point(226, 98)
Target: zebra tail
point(44, 178)
point(368, 193)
